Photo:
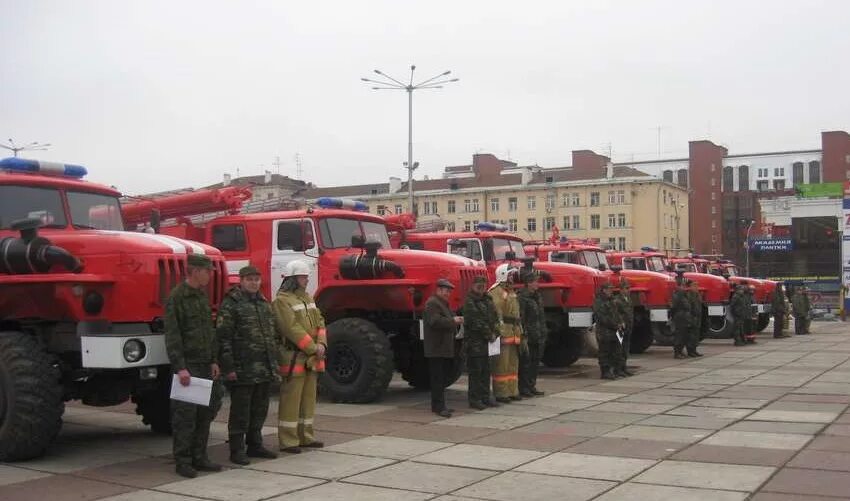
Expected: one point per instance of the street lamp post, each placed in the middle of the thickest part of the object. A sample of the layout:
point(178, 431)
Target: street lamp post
point(747, 241)
point(390, 83)
point(34, 146)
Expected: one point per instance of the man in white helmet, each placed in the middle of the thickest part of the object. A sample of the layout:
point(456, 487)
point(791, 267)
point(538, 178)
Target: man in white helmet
point(302, 329)
point(506, 363)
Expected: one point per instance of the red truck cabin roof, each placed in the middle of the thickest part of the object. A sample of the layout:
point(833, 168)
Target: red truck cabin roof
point(57, 182)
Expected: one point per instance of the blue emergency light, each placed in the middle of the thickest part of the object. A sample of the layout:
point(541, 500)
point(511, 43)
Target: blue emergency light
point(341, 203)
point(488, 226)
point(41, 167)
point(647, 248)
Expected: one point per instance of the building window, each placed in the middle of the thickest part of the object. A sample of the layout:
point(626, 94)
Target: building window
point(381, 210)
point(512, 204)
point(450, 207)
point(549, 223)
point(532, 202)
point(475, 207)
point(467, 226)
point(450, 226)
point(612, 243)
point(621, 196)
point(682, 177)
point(668, 176)
point(399, 209)
point(566, 224)
point(576, 222)
point(594, 221)
point(430, 208)
point(594, 199)
point(779, 171)
point(665, 242)
point(761, 185)
point(762, 172)
point(743, 178)
point(713, 224)
point(494, 205)
point(612, 197)
point(778, 184)
point(621, 243)
point(728, 179)
point(531, 224)
point(713, 195)
point(575, 199)
point(475, 224)
point(550, 201)
point(470, 205)
point(621, 220)
point(512, 226)
point(714, 209)
point(814, 172)
point(612, 220)
point(798, 173)
point(713, 181)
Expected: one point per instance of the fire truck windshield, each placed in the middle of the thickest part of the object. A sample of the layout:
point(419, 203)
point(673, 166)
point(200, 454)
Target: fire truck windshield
point(594, 258)
point(94, 211)
point(25, 202)
point(337, 232)
point(502, 245)
point(656, 263)
point(686, 267)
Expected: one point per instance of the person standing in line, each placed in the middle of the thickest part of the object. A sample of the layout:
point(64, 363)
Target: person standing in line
point(680, 312)
point(750, 321)
point(534, 335)
point(807, 306)
point(694, 333)
point(740, 312)
point(480, 327)
point(302, 329)
point(798, 304)
point(777, 305)
point(506, 365)
point(440, 330)
point(607, 324)
point(190, 341)
point(626, 311)
point(250, 357)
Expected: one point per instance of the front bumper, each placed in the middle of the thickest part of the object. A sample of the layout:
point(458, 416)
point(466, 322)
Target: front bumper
point(658, 315)
point(716, 310)
point(107, 351)
point(762, 308)
point(580, 318)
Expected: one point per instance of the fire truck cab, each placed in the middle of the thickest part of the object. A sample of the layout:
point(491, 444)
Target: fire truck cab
point(762, 305)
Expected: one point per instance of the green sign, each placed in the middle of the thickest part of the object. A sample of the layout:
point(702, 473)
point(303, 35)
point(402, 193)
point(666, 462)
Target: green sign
point(821, 190)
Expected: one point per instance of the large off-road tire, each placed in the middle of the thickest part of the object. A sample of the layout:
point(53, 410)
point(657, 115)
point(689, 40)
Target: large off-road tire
point(591, 344)
point(642, 333)
point(360, 362)
point(721, 327)
point(416, 372)
point(662, 334)
point(31, 404)
point(154, 405)
point(563, 348)
point(763, 321)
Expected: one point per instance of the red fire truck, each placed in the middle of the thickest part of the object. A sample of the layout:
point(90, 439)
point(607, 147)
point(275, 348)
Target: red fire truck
point(371, 295)
point(81, 304)
point(651, 292)
point(717, 316)
point(568, 290)
point(763, 288)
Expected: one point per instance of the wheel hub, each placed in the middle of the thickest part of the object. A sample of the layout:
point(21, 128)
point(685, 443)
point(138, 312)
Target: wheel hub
point(343, 363)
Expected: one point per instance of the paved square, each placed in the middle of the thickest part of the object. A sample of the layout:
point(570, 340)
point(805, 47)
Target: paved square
point(433, 478)
point(245, 485)
point(588, 466)
point(707, 475)
point(388, 447)
point(480, 456)
point(338, 491)
point(321, 464)
point(758, 439)
point(684, 435)
point(644, 492)
point(511, 486)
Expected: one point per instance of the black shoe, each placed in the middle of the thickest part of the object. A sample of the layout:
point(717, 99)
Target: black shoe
point(781, 336)
point(443, 413)
point(608, 375)
point(627, 372)
point(239, 457)
point(526, 394)
point(479, 406)
point(259, 451)
point(503, 400)
point(186, 470)
point(694, 354)
point(537, 393)
point(516, 398)
point(291, 450)
point(206, 465)
point(491, 403)
point(620, 374)
point(679, 355)
point(315, 444)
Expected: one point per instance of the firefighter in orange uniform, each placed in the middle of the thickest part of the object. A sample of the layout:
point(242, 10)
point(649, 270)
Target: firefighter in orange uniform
point(506, 364)
point(302, 327)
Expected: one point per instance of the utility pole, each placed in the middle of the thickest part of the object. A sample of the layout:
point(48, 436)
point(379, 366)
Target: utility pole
point(390, 83)
point(298, 169)
point(34, 146)
point(276, 164)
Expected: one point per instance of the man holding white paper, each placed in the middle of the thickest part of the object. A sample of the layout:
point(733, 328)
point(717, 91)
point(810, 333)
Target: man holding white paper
point(190, 340)
point(481, 329)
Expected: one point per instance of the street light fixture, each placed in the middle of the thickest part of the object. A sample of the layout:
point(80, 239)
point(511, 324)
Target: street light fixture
point(389, 83)
point(34, 146)
point(750, 223)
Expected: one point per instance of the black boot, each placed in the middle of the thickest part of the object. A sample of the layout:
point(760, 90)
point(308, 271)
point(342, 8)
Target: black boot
point(694, 353)
point(607, 373)
point(677, 354)
point(256, 449)
point(237, 450)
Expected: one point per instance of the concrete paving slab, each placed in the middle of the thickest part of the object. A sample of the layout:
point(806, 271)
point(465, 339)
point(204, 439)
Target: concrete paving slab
point(633, 408)
point(146, 495)
point(664, 434)
point(587, 466)
point(625, 447)
point(793, 416)
point(648, 398)
point(810, 482)
point(480, 456)
point(388, 447)
point(713, 412)
point(601, 417)
point(533, 411)
point(593, 396)
point(511, 486)
point(733, 403)
point(496, 421)
point(13, 475)
point(758, 439)
point(733, 477)
point(516, 439)
point(61, 488)
point(706, 423)
point(337, 491)
point(560, 404)
point(436, 479)
point(734, 455)
point(569, 428)
point(65, 458)
point(631, 491)
point(821, 460)
point(777, 427)
point(322, 464)
point(145, 473)
point(350, 410)
point(241, 484)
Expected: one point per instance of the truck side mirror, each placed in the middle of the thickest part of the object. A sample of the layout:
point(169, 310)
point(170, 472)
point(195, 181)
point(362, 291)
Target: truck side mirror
point(358, 241)
point(155, 220)
point(602, 267)
point(510, 256)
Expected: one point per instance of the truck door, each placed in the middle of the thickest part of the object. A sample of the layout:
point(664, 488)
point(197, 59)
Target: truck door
point(470, 248)
point(294, 239)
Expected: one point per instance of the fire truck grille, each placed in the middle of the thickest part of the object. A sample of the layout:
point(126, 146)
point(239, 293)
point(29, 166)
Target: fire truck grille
point(171, 272)
point(467, 275)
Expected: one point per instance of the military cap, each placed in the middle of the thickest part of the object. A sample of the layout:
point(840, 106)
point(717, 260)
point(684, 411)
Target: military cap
point(248, 271)
point(199, 261)
point(445, 284)
point(480, 279)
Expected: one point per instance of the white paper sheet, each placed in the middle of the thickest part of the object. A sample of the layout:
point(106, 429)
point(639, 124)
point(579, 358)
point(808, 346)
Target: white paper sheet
point(494, 348)
point(620, 336)
point(198, 392)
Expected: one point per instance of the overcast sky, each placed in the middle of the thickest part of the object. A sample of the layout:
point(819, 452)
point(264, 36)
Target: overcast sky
point(155, 95)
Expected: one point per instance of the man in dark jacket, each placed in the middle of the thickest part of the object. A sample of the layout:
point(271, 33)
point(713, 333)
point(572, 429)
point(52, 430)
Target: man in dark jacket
point(750, 322)
point(625, 309)
point(440, 330)
point(680, 313)
point(777, 305)
point(534, 327)
point(607, 324)
point(695, 329)
point(740, 312)
point(480, 327)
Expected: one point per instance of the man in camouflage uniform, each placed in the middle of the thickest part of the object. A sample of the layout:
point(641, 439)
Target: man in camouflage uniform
point(740, 312)
point(750, 321)
point(807, 305)
point(250, 358)
point(777, 306)
point(695, 330)
point(623, 300)
point(302, 329)
point(534, 334)
point(506, 365)
point(193, 352)
point(607, 324)
point(680, 313)
point(480, 327)
point(800, 307)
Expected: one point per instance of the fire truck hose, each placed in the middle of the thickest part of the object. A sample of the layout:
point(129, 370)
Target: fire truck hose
point(19, 256)
point(362, 267)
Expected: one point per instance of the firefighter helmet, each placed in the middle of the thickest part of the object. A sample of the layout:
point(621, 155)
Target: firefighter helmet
point(297, 268)
point(503, 272)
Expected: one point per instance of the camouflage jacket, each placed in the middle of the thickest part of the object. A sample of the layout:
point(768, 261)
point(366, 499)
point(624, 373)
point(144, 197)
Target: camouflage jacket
point(778, 300)
point(302, 328)
point(695, 301)
point(189, 332)
point(625, 309)
point(507, 308)
point(480, 324)
point(740, 306)
point(532, 315)
point(248, 342)
point(680, 309)
point(605, 311)
point(800, 304)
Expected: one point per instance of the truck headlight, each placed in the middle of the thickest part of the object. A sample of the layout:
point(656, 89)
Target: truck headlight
point(134, 350)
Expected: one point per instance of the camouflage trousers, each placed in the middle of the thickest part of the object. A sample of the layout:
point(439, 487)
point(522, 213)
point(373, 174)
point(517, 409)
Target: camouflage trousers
point(505, 367)
point(249, 405)
point(190, 423)
point(610, 350)
point(529, 364)
point(479, 379)
point(627, 344)
point(296, 409)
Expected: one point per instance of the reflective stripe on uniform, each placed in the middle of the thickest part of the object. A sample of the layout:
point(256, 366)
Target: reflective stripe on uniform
point(287, 424)
point(306, 421)
point(304, 342)
point(505, 377)
point(303, 306)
